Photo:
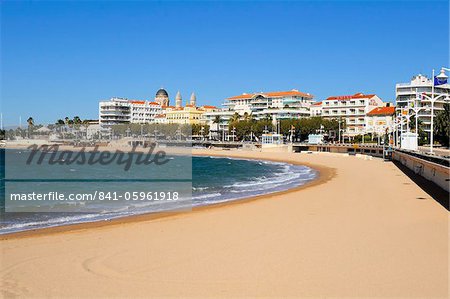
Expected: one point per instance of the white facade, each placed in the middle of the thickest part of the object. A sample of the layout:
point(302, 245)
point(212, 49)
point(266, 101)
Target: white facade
point(316, 109)
point(122, 111)
point(380, 120)
point(408, 95)
point(115, 111)
point(218, 121)
point(143, 112)
point(352, 109)
point(279, 105)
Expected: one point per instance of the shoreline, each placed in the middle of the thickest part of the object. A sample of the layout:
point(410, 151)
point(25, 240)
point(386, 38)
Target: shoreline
point(324, 174)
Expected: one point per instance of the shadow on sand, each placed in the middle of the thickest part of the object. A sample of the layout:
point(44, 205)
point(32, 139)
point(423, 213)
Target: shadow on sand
point(436, 192)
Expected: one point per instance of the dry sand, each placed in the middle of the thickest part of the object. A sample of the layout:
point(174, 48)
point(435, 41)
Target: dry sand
point(367, 232)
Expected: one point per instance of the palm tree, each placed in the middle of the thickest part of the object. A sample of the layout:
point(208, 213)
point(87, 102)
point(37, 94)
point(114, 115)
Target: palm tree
point(442, 127)
point(30, 122)
point(77, 120)
point(217, 120)
point(235, 118)
point(248, 117)
point(66, 120)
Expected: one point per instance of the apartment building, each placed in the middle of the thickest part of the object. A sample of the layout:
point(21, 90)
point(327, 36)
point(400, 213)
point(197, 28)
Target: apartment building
point(380, 120)
point(417, 93)
point(352, 109)
point(123, 111)
point(275, 105)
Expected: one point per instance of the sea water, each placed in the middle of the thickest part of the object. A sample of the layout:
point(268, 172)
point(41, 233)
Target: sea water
point(214, 180)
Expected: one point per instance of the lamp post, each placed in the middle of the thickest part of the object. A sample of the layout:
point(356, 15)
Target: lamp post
point(442, 76)
point(432, 99)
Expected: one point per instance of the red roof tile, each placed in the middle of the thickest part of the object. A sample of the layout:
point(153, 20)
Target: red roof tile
point(350, 97)
point(273, 94)
point(382, 111)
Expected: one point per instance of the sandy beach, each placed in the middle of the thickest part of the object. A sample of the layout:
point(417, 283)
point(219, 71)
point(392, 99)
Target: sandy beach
point(364, 229)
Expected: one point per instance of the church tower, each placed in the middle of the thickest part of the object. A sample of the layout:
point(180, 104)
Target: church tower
point(178, 100)
point(193, 100)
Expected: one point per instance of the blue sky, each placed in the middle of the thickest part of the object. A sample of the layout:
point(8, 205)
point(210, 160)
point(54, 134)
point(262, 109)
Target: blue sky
point(60, 58)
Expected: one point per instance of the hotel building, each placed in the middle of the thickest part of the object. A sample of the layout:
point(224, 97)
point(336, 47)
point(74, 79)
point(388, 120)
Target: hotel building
point(274, 105)
point(352, 109)
point(316, 109)
point(380, 120)
point(408, 95)
point(277, 105)
point(189, 114)
point(123, 111)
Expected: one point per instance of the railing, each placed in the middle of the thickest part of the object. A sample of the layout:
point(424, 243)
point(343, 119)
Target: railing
point(424, 156)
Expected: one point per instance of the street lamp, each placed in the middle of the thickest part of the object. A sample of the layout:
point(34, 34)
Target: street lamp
point(442, 77)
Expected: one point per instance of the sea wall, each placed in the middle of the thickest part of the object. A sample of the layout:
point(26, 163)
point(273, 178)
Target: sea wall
point(431, 171)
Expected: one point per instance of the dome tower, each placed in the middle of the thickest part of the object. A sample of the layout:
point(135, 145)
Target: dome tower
point(162, 97)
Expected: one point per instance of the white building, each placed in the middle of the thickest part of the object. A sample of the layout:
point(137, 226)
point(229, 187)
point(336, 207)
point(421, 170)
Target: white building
point(115, 111)
point(408, 95)
point(143, 112)
point(276, 105)
point(352, 109)
point(380, 120)
point(123, 111)
point(218, 121)
point(316, 109)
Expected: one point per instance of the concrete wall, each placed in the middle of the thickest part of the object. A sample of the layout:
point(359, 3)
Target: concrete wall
point(436, 173)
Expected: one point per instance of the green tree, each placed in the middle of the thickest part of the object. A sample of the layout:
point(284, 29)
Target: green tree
point(442, 126)
point(235, 118)
point(77, 120)
point(423, 136)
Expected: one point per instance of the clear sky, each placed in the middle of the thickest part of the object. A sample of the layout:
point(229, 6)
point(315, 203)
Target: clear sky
point(61, 58)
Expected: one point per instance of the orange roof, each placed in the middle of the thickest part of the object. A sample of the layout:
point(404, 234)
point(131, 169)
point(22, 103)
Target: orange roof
point(208, 106)
point(138, 102)
point(317, 104)
point(382, 111)
point(273, 94)
point(153, 103)
point(189, 105)
point(350, 97)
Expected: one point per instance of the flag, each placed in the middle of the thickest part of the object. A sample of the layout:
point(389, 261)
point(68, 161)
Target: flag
point(438, 81)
